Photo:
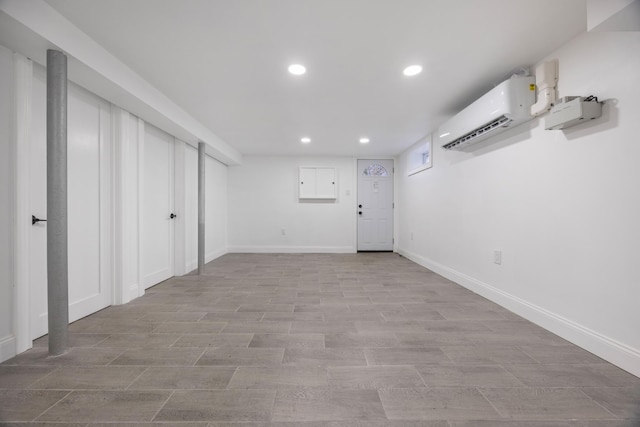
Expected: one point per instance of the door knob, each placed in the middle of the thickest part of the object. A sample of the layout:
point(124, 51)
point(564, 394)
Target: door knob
point(34, 220)
point(172, 216)
point(360, 206)
point(360, 213)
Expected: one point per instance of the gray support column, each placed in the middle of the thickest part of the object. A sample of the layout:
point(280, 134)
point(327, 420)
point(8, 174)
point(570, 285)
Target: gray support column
point(201, 212)
point(57, 263)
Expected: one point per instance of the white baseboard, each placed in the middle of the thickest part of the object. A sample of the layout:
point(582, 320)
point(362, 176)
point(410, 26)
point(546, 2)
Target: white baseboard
point(134, 292)
point(7, 348)
point(619, 354)
point(293, 249)
point(213, 255)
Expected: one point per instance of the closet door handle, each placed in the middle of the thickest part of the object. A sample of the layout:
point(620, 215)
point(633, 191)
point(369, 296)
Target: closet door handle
point(173, 216)
point(35, 220)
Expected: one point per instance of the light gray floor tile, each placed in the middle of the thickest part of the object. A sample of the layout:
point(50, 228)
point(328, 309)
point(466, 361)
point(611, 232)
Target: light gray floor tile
point(374, 377)
point(431, 339)
point(486, 354)
point(264, 308)
point(513, 423)
point(623, 402)
point(327, 405)
point(77, 356)
point(75, 340)
point(467, 376)
point(232, 316)
point(551, 375)
point(193, 378)
point(89, 378)
point(288, 317)
point(227, 356)
point(288, 340)
point(560, 354)
point(189, 327)
point(159, 357)
point(389, 326)
point(326, 327)
point(181, 316)
point(414, 316)
point(388, 423)
point(321, 308)
point(324, 357)
point(405, 356)
point(26, 405)
point(361, 340)
point(218, 405)
point(278, 378)
point(22, 376)
point(436, 404)
point(130, 341)
point(377, 308)
point(544, 404)
point(263, 327)
point(93, 406)
point(213, 340)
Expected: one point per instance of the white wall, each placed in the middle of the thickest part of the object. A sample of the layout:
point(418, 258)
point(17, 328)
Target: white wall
point(216, 207)
point(563, 208)
point(263, 200)
point(191, 207)
point(7, 340)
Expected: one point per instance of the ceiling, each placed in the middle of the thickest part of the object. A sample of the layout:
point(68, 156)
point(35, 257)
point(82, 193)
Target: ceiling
point(225, 62)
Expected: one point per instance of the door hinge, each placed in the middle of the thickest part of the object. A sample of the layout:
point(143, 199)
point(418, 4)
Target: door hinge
point(393, 240)
point(393, 205)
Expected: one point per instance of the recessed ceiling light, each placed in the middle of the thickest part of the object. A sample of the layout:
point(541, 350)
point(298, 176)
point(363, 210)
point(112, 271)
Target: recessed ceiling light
point(305, 140)
point(297, 69)
point(412, 70)
point(364, 140)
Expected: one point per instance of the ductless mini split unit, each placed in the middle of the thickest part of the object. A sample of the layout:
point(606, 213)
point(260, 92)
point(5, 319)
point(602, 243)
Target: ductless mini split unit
point(505, 106)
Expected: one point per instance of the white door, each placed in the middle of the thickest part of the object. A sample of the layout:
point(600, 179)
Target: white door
point(157, 210)
point(88, 204)
point(375, 205)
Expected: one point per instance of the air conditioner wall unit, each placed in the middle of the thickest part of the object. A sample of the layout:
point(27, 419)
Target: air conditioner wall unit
point(503, 107)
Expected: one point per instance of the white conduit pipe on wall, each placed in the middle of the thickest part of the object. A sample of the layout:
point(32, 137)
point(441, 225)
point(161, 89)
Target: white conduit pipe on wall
point(546, 80)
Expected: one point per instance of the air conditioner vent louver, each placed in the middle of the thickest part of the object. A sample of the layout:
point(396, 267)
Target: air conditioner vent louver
point(502, 121)
point(503, 107)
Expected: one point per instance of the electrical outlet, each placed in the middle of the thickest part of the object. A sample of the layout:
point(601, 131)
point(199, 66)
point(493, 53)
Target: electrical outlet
point(497, 257)
point(283, 231)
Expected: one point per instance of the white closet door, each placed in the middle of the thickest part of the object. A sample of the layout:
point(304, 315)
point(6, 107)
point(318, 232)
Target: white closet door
point(157, 222)
point(88, 201)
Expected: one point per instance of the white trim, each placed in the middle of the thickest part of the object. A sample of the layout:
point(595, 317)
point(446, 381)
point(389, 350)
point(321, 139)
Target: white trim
point(293, 249)
point(7, 348)
point(23, 80)
point(120, 141)
point(619, 354)
point(141, 288)
point(106, 207)
point(179, 207)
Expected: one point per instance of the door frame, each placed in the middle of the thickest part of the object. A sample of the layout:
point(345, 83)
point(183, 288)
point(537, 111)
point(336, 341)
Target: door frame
point(23, 81)
point(355, 175)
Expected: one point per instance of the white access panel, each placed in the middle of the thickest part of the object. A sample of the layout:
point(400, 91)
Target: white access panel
point(317, 183)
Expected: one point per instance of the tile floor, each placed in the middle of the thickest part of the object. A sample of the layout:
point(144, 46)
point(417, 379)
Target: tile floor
point(314, 341)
